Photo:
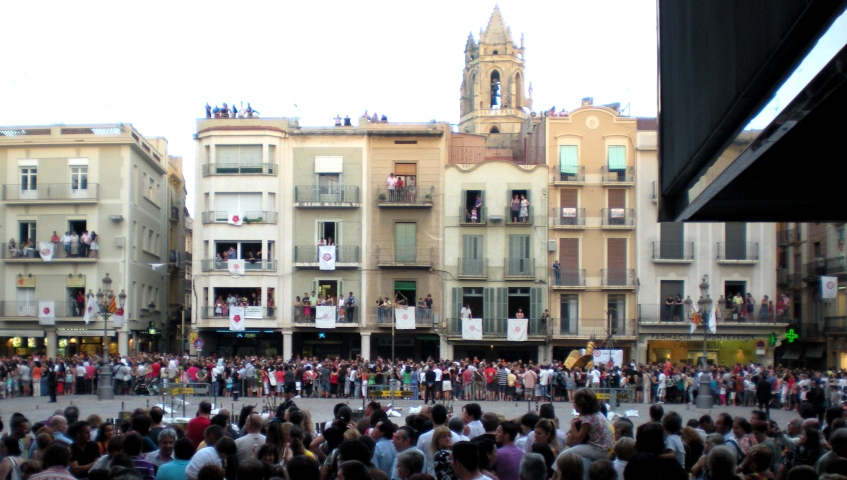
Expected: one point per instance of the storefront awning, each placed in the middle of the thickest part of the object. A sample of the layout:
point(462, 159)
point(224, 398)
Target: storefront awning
point(22, 333)
point(793, 353)
point(814, 351)
point(83, 333)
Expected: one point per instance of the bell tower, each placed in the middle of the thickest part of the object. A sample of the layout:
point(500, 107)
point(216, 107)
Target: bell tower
point(492, 93)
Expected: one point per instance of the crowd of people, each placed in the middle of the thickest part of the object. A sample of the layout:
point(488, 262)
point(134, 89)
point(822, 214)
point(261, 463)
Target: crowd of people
point(74, 245)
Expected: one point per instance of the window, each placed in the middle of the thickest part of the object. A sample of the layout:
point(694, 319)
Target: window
point(520, 255)
point(495, 89)
point(569, 313)
point(238, 154)
point(617, 207)
point(569, 201)
point(617, 158)
point(472, 200)
point(473, 262)
point(671, 246)
point(732, 290)
point(736, 241)
point(328, 231)
point(519, 299)
point(616, 306)
point(79, 178)
point(232, 250)
point(514, 201)
point(568, 162)
point(668, 290)
point(247, 204)
point(569, 273)
point(27, 302)
point(29, 179)
point(329, 171)
point(616, 273)
point(405, 290)
point(405, 242)
point(151, 189)
point(26, 231)
point(151, 246)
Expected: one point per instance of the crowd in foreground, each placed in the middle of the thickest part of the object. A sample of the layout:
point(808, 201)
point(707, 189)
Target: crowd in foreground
point(288, 444)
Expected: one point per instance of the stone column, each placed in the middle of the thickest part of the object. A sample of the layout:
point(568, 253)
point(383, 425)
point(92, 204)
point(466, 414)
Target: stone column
point(286, 345)
point(366, 345)
point(123, 342)
point(445, 348)
point(52, 339)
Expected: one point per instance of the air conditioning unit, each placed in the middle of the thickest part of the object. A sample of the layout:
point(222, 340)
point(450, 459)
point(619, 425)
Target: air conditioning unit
point(551, 246)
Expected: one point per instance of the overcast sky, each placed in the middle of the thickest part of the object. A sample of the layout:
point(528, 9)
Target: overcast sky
point(155, 64)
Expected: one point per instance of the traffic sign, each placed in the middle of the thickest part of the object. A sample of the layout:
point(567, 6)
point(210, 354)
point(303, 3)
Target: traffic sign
point(198, 343)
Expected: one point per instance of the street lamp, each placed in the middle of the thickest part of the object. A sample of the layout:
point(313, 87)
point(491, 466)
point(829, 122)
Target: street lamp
point(105, 296)
point(704, 304)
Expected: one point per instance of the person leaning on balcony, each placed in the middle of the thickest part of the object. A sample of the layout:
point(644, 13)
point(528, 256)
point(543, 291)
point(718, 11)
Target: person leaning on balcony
point(391, 183)
point(524, 212)
point(298, 310)
point(763, 308)
point(557, 272)
point(66, 243)
point(13, 248)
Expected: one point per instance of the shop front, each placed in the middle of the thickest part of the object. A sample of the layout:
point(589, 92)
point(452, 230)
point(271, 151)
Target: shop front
point(22, 342)
point(326, 344)
point(246, 343)
point(406, 345)
point(70, 342)
point(721, 349)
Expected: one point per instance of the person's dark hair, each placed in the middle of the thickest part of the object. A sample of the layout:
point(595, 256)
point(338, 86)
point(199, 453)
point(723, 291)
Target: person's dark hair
point(490, 421)
point(302, 467)
point(466, 454)
point(511, 429)
point(211, 472)
point(226, 446)
point(650, 438)
point(133, 444)
point(484, 448)
point(141, 423)
point(266, 449)
point(13, 447)
point(586, 401)
point(214, 431)
point(807, 411)
point(692, 422)
point(802, 472)
point(77, 427)
point(387, 428)
point(219, 420)
point(184, 449)
point(439, 414)
point(726, 419)
point(760, 415)
point(116, 445)
point(545, 451)
point(705, 419)
point(296, 417)
point(529, 420)
point(474, 410)
point(813, 442)
point(744, 424)
point(94, 473)
point(547, 410)
point(245, 412)
point(602, 470)
point(71, 414)
point(672, 422)
point(656, 413)
point(409, 433)
point(354, 469)
point(252, 469)
point(16, 421)
point(832, 413)
point(57, 454)
point(344, 415)
point(124, 473)
point(625, 427)
point(121, 460)
point(374, 405)
point(353, 450)
point(156, 414)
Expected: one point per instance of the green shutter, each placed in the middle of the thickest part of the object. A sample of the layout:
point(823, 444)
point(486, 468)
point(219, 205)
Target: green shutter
point(536, 299)
point(457, 303)
point(568, 159)
point(502, 303)
point(405, 242)
point(404, 285)
point(617, 157)
point(489, 305)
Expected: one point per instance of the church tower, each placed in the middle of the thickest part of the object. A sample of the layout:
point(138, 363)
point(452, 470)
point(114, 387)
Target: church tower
point(493, 97)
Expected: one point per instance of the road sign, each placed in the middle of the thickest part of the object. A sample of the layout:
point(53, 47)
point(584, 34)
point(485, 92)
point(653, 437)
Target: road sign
point(198, 343)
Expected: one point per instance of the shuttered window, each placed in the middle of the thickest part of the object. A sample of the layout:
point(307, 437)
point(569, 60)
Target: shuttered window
point(569, 198)
point(617, 157)
point(671, 246)
point(736, 240)
point(568, 254)
point(519, 246)
point(568, 159)
point(405, 242)
point(239, 153)
point(616, 261)
point(472, 246)
point(617, 198)
point(405, 169)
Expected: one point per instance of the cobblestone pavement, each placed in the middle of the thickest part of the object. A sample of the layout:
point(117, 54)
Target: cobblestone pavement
point(321, 409)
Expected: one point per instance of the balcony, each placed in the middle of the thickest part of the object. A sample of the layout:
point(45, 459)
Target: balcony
point(571, 177)
point(835, 325)
point(661, 313)
point(299, 319)
point(256, 313)
point(568, 217)
point(815, 269)
point(618, 278)
point(31, 255)
point(221, 266)
point(472, 155)
point(739, 253)
point(346, 256)
point(423, 257)
point(783, 278)
point(568, 278)
point(220, 216)
point(836, 266)
point(384, 317)
point(240, 169)
point(673, 252)
point(617, 177)
point(796, 280)
point(326, 196)
point(514, 219)
point(787, 237)
point(466, 217)
point(473, 268)
point(51, 193)
point(620, 218)
point(519, 268)
point(563, 327)
point(29, 309)
point(406, 197)
point(495, 328)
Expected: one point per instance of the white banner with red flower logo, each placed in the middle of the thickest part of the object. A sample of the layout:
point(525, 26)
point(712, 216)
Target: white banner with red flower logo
point(326, 257)
point(471, 329)
point(829, 287)
point(517, 329)
point(234, 218)
point(404, 318)
point(235, 267)
point(46, 312)
point(91, 308)
point(325, 316)
point(45, 249)
point(236, 319)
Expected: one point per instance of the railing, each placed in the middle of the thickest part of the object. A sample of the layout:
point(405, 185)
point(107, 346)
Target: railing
point(59, 253)
point(568, 216)
point(52, 191)
point(220, 216)
point(815, 268)
point(416, 195)
point(578, 176)
point(836, 266)
point(618, 277)
point(301, 319)
point(399, 257)
point(240, 169)
point(673, 251)
point(513, 217)
point(730, 316)
point(520, 267)
point(473, 267)
point(221, 266)
point(787, 236)
point(617, 176)
point(496, 327)
point(738, 251)
point(309, 254)
point(654, 313)
point(423, 316)
point(835, 324)
point(480, 154)
point(466, 216)
point(213, 312)
point(326, 194)
point(617, 217)
point(585, 327)
point(567, 277)
point(29, 309)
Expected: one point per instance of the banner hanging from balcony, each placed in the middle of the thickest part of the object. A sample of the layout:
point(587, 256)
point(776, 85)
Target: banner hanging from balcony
point(236, 319)
point(235, 267)
point(325, 316)
point(517, 329)
point(471, 329)
point(117, 312)
point(46, 312)
point(234, 218)
point(404, 318)
point(45, 249)
point(829, 287)
point(712, 321)
point(91, 308)
point(326, 257)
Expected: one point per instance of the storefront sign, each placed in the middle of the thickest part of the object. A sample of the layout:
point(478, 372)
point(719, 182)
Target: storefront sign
point(253, 312)
point(684, 337)
point(398, 342)
point(25, 282)
point(75, 281)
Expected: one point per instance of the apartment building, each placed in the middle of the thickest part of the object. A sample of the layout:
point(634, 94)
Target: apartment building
point(179, 291)
point(65, 180)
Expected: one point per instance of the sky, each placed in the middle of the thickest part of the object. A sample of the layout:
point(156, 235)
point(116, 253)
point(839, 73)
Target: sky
point(155, 64)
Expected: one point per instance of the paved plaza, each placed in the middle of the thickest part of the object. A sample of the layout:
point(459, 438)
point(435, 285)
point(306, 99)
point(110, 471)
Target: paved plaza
point(36, 409)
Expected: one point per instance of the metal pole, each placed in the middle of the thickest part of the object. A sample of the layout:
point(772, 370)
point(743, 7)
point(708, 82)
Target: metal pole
point(105, 389)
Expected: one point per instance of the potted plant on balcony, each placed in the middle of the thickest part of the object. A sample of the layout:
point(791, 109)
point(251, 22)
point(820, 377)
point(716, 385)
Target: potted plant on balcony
point(428, 198)
point(382, 197)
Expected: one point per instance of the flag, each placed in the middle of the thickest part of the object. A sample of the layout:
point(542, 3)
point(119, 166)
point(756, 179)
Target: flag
point(712, 321)
point(46, 251)
point(113, 305)
point(117, 313)
point(404, 318)
point(46, 312)
point(236, 319)
point(91, 308)
point(326, 257)
point(695, 321)
point(157, 266)
point(517, 329)
point(471, 329)
point(234, 218)
point(829, 287)
point(235, 267)
point(325, 316)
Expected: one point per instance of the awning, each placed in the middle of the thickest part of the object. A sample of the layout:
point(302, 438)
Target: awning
point(83, 333)
point(22, 333)
point(793, 353)
point(814, 351)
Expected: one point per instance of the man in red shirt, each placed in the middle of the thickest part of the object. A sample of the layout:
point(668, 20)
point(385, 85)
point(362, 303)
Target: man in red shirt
point(197, 425)
point(155, 372)
point(192, 372)
point(490, 375)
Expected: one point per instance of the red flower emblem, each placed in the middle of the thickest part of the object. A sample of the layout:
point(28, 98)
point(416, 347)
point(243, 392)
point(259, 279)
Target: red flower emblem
point(46, 310)
point(405, 316)
point(46, 251)
point(237, 318)
point(235, 218)
point(327, 257)
point(472, 328)
point(119, 312)
point(517, 329)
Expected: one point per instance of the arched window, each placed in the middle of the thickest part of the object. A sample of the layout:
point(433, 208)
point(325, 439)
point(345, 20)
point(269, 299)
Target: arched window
point(494, 129)
point(518, 91)
point(495, 89)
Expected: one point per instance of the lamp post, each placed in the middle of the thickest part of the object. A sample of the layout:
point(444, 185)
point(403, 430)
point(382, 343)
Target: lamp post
point(704, 304)
point(105, 388)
